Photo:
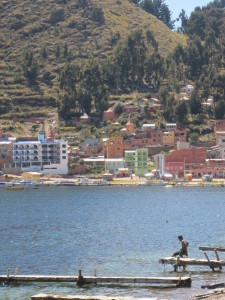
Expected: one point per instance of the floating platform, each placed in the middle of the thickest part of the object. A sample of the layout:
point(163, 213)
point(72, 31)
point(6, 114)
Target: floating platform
point(80, 280)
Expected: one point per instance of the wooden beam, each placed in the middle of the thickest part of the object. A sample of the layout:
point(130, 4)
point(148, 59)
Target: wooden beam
point(210, 248)
point(209, 262)
point(192, 261)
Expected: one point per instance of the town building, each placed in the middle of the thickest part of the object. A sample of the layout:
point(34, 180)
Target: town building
point(141, 162)
point(171, 126)
point(130, 159)
point(46, 157)
point(5, 153)
point(113, 147)
point(160, 163)
point(137, 161)
point(113, 165)
point(187, 89)
point(168, 138)
point(109, 115)
point(180, 135)
point(182, 145)
point(180, 162)
point(130, 127)
point(148, 126)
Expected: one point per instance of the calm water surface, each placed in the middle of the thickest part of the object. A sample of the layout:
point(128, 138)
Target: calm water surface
point(120, 231)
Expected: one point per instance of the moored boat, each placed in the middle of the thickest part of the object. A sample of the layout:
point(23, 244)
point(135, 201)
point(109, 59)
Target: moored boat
point(14, 186)
point(156, 182)
point(65, 183)
point(29, 184)
point(2, 184)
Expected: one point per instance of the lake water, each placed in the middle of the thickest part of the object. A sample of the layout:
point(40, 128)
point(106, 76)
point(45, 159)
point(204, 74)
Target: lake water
point(120, 231)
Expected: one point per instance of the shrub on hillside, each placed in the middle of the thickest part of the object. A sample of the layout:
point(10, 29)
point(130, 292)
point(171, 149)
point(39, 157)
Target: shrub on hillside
point(57, 15)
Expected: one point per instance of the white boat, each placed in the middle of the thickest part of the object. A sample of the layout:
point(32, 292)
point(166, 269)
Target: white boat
point(97, 182)
point(2, 185)
point(65, 183)
point(156, 182)
point(14, 186)
point(82, 180)
point(29, 184)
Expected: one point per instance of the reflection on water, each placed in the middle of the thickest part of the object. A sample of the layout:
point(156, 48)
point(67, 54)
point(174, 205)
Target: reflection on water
point(118, 231)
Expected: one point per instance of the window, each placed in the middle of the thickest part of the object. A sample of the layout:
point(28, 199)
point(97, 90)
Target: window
point(118, 149)
point(64, 157)
point(64, 151)
point(64, 146)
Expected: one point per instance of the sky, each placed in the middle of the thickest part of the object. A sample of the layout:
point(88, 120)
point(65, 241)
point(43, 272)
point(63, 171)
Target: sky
point(176, 6)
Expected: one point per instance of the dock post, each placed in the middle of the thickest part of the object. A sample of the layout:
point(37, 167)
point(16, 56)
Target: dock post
point(8, 275)
point(95, 272)
point(210, 264)
point(16, 271)
point(80, 279)
point(217, 257)
point(177, 264)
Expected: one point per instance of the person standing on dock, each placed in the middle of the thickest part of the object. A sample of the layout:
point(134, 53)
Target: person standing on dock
point(184, 247)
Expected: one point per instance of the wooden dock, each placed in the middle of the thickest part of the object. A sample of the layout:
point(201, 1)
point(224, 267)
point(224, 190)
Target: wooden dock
point(79, 297)
point(183, 262)
point(80, 280)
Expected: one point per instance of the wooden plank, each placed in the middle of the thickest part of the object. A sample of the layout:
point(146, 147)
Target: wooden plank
point(191, 261)
point(210, 248)
point(216, 293)
point(213, 286)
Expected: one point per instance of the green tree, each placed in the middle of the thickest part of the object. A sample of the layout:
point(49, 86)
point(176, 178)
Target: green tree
point(159, 9)
point(181, 113)
point(30, 66)
point(194, 139)
point(163, 95)
point(220, 110)
point(43, 53)
point(195, 103)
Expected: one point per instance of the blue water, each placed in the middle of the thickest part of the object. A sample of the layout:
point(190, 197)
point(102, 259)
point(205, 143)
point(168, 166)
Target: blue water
point(120, 231)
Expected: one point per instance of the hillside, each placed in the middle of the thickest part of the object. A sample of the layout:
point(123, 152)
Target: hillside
point(83, 28)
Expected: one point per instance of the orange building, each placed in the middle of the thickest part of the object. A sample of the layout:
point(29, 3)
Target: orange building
point(130, 127)
point(109, 115)
point(113, 147)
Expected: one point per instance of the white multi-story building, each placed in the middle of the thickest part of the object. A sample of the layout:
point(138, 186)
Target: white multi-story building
point(114, 164)
point(44, 156)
